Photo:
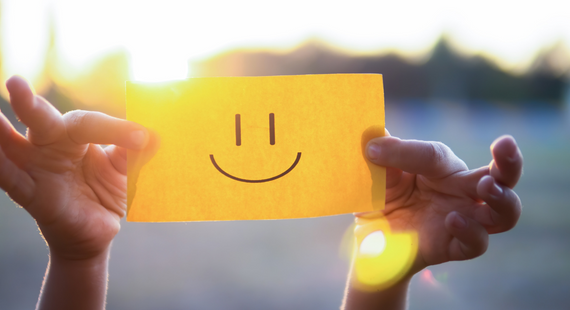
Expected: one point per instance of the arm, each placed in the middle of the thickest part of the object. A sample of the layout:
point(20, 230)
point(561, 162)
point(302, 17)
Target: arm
point(74, 189)
point(430, 191)
point(392, 298)
point(75, 284)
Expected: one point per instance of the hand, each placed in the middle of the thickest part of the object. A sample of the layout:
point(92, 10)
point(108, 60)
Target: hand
point(453, 209)
point(75, 189)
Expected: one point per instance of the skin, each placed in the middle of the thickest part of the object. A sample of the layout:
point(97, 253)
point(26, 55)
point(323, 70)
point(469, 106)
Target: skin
point(453, 209)
point(76, 191)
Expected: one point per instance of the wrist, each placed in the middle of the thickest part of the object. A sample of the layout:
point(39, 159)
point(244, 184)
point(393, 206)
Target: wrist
point(393, 297)
point(90, 260)
point(73, 283)
point(78, 251)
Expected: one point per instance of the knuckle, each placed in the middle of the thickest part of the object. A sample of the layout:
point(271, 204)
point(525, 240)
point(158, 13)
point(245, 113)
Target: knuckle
point(437, 151)
point(74, 120)
point(508, 213)
point(484, 245)
point(8, 176)
point(513, 216)
point(11, 184)
point(477, 249)
point(441, 155)
point(480, 250)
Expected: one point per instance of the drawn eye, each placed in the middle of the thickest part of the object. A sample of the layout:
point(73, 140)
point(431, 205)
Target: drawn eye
point(238, 130)
point(271, 129)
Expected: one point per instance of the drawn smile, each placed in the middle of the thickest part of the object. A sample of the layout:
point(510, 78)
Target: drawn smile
point(256, 181)
point(271, 142)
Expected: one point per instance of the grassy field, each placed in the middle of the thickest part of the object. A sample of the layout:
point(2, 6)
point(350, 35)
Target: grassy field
point(294, 264)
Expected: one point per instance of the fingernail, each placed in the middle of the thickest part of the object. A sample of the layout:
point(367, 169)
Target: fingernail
point(459, 221)
point(495, 191)
point(373, 151)
point(138, 137)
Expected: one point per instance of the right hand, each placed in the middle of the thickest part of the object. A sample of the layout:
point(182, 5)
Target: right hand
point(75, 189)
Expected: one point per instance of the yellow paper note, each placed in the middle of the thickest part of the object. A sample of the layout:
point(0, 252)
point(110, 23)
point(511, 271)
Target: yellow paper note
point(249, 148)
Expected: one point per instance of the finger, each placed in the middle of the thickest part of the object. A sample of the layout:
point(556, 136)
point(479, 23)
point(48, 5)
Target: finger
point(507, 163)
point(95, 127)
point(18, 184)
point(43, 120)
point(369, 214)
point(118, 157)
point(467, 184)
point(15, 147)
point(431, 159)
point(470, 238)
point(393, 175)
point(136, 160)
point(503, 207)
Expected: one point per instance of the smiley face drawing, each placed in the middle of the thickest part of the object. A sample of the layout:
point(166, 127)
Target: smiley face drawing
point(271, 142)
point(251, 148)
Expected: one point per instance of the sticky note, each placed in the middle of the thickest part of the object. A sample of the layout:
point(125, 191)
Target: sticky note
point(251, 148)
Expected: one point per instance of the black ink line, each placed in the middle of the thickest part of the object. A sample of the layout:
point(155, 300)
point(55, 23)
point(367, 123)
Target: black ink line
point(271, 128)
point(238, 130)
point(256, 181)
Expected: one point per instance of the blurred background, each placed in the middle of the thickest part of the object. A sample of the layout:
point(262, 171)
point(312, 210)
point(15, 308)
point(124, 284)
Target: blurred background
point(460, 72)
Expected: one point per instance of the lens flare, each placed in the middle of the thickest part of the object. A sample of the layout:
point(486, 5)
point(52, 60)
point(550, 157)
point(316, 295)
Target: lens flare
point(381, 257)
point(427, 277)
point(373, 244)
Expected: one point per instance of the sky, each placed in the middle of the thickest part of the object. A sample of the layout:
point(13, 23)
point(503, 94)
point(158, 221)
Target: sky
point(161, 37)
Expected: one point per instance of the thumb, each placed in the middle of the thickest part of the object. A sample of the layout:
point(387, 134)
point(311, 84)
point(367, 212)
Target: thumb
point(393, 175)
point(431, 159)
point(98, 128)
